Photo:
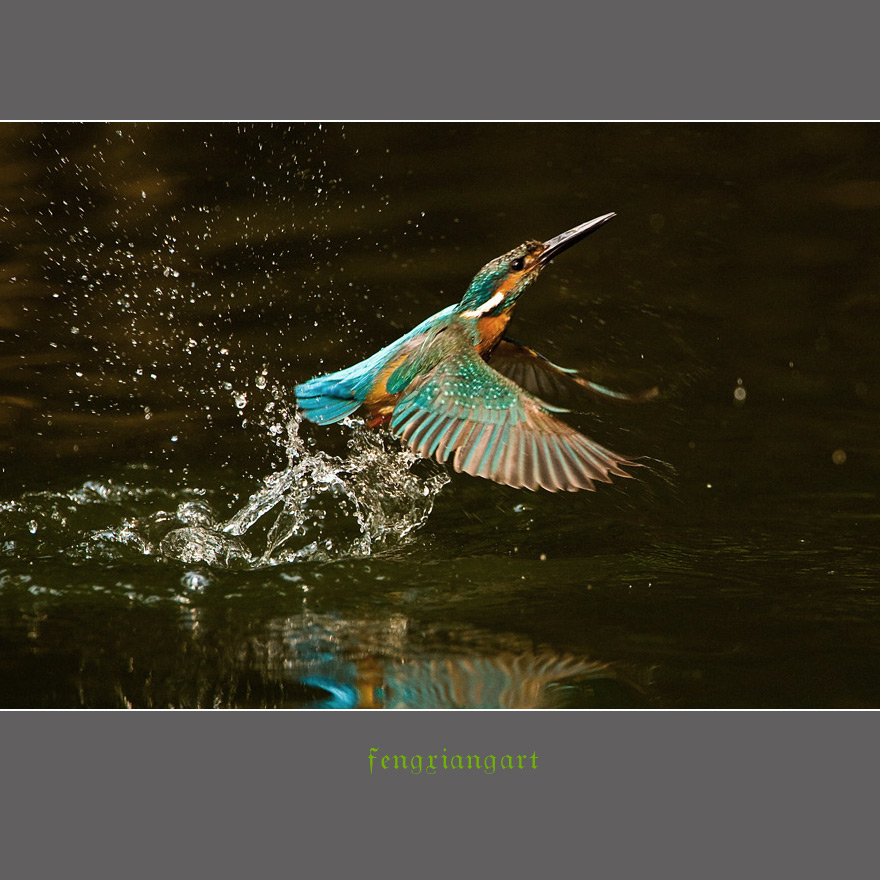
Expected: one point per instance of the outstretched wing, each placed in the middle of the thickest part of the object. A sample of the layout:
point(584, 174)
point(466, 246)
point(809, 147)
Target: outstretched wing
point(494, 429)
point(549, 382)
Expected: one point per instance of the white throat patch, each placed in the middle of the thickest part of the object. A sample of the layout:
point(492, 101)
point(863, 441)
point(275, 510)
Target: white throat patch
point(485, 307)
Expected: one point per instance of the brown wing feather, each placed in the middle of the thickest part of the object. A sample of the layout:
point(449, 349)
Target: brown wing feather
point(550, 383)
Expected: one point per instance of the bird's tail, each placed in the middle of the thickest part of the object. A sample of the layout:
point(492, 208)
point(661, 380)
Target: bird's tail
point(327, 399)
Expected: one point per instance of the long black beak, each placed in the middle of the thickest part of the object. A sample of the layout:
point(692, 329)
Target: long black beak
point(562, 242)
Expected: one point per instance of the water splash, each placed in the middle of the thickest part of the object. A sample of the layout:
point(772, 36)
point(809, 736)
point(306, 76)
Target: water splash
point(320, 507)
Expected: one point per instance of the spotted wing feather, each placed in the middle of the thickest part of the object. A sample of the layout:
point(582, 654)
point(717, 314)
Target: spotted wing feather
point(492, 428)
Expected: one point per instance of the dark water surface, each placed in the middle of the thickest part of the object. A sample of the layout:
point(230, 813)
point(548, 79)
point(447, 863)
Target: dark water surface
point(171, 535)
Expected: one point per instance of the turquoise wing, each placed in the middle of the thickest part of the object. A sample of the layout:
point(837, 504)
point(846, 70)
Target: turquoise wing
point(492, 428)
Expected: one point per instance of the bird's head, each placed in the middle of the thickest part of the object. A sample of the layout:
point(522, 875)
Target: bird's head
point(499, 284)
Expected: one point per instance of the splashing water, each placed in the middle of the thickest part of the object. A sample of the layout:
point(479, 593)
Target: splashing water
point(319, 507)
point(324, 507)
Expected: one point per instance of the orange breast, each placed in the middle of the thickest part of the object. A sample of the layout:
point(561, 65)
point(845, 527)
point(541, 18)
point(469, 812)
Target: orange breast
point(490, 329)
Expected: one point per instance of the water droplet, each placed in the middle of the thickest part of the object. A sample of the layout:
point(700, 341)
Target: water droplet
point(32, 526)
point(194, 513)
point(195, 580)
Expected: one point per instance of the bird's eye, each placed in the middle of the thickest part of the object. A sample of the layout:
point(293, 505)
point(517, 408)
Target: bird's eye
point(518, 264)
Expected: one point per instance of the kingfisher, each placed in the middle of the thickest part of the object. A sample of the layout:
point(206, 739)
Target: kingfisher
point(457, 385)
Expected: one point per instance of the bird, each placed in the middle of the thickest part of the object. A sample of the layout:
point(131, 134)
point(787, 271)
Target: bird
point(458, 386)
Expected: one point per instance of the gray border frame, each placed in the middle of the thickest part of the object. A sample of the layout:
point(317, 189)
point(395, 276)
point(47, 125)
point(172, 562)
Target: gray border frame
point(677, 60)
